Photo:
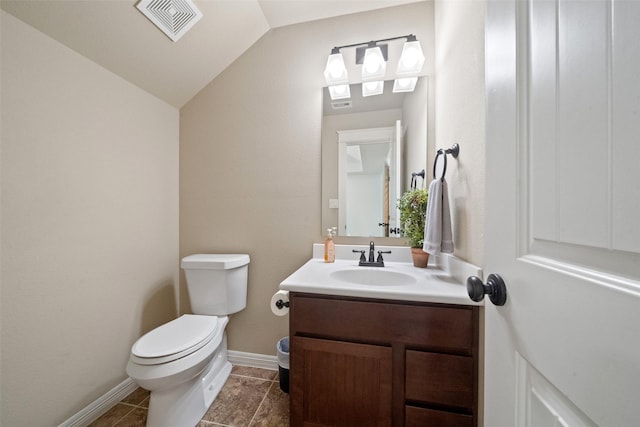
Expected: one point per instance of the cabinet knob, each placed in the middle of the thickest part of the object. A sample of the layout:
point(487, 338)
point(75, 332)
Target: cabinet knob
point(495, 288)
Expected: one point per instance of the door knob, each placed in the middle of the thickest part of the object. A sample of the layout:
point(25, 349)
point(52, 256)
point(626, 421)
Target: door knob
point(495, 288)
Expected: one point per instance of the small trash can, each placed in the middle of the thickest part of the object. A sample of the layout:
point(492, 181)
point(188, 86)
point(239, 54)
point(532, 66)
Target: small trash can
point(283, 363)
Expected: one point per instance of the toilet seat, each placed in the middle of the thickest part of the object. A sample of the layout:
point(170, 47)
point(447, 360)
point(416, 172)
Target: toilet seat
point(175, 339)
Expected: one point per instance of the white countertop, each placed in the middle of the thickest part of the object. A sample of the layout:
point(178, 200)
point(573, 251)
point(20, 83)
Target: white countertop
point(444, 281)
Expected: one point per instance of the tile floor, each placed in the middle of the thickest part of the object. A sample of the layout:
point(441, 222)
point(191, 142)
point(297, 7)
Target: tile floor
point(251, 397)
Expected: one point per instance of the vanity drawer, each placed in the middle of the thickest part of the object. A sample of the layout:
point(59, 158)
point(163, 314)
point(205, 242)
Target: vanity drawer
point(439, 379)
point(421, 417)
point(426, 326)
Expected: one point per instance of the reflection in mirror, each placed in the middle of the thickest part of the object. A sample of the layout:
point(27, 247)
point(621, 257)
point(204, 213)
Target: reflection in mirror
point(370, 147)
point(368, 180)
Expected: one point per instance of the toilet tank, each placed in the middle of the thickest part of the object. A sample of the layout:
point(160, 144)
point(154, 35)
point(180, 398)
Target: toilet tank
point(217, 283)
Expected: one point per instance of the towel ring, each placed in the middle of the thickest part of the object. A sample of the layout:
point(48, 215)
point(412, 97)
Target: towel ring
point(454, 151)
point(414, 178)
point(435, 163)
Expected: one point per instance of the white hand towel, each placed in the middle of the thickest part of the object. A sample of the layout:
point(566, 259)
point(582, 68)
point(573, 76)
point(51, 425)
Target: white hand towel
point(433, 226)
point(447, 233)
point(438, 236)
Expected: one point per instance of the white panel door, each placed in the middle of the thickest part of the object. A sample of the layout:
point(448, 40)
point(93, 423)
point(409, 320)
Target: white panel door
point(563, 213)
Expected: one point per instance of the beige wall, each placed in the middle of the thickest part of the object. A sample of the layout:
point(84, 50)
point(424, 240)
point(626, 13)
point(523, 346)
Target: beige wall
point(460, 117)
point(250, 169)
point(89, 225)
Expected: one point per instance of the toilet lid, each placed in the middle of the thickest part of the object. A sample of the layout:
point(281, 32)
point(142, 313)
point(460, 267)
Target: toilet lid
point(175, 339)
point(214, 261)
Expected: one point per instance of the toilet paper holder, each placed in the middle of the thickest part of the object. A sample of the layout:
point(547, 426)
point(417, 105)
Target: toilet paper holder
point(280, 304)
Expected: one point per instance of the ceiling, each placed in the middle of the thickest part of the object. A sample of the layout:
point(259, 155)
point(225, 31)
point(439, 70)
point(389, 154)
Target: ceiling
point(114, 34)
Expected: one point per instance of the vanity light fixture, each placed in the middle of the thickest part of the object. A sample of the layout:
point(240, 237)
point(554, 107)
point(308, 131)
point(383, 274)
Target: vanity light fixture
point(372, 88)
point(335, 72)
point(405, 84)
point(373, 57)
point(411, 59)
point(340, 91)
point(374, 64)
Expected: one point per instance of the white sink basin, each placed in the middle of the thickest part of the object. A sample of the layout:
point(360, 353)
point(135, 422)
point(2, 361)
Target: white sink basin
point(376, 276)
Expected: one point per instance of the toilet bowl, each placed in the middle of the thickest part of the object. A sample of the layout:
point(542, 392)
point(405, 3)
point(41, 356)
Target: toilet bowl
point(184, 362)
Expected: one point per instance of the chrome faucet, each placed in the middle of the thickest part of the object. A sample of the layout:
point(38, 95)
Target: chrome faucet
point(373, 262)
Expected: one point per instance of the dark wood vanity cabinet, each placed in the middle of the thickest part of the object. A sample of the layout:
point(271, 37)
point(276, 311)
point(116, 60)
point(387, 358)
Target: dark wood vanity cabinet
point(369, 362)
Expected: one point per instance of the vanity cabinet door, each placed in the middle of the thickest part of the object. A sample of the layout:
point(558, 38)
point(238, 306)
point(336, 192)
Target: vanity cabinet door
point(421, 417)
point(441, 379)
point(336, 383)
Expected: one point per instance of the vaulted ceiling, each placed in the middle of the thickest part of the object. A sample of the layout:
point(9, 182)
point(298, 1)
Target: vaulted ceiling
point(114, 34)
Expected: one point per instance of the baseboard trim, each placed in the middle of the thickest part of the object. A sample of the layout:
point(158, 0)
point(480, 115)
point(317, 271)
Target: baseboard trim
point(253, 360)
point(101, 405)
point(110, 399)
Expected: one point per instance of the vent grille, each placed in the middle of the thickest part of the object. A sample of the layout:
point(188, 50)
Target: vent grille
point(173, 17)
point(338, 105)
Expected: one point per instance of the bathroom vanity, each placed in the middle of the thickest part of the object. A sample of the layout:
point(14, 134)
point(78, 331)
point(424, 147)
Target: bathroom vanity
point(366, 353)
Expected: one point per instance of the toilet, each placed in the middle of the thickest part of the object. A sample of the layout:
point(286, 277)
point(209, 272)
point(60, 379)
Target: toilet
point(184, 362)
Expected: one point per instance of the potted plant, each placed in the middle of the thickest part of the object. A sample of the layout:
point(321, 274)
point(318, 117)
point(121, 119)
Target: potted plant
point(413, 214)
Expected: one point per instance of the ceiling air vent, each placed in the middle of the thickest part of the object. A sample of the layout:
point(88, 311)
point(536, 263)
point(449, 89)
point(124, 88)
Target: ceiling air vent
point(173, 17)
point(338, 105)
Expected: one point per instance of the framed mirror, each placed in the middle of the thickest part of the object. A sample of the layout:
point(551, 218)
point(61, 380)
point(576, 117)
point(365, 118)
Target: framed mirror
point(370, 147)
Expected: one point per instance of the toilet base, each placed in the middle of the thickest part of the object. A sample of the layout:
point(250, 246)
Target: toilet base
point(185, 404)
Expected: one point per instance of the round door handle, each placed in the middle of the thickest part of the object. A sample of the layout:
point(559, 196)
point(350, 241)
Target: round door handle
point(495, 288)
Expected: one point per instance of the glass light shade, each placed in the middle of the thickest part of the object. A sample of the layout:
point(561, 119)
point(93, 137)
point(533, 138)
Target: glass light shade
point(374, 66)
point(372, 88)
point(406, 84)
point(339, 92)
point(411, 59)
point(335, 72)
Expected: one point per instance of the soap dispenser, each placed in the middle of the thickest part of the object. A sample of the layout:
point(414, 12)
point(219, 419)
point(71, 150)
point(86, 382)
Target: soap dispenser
point(329, 247)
